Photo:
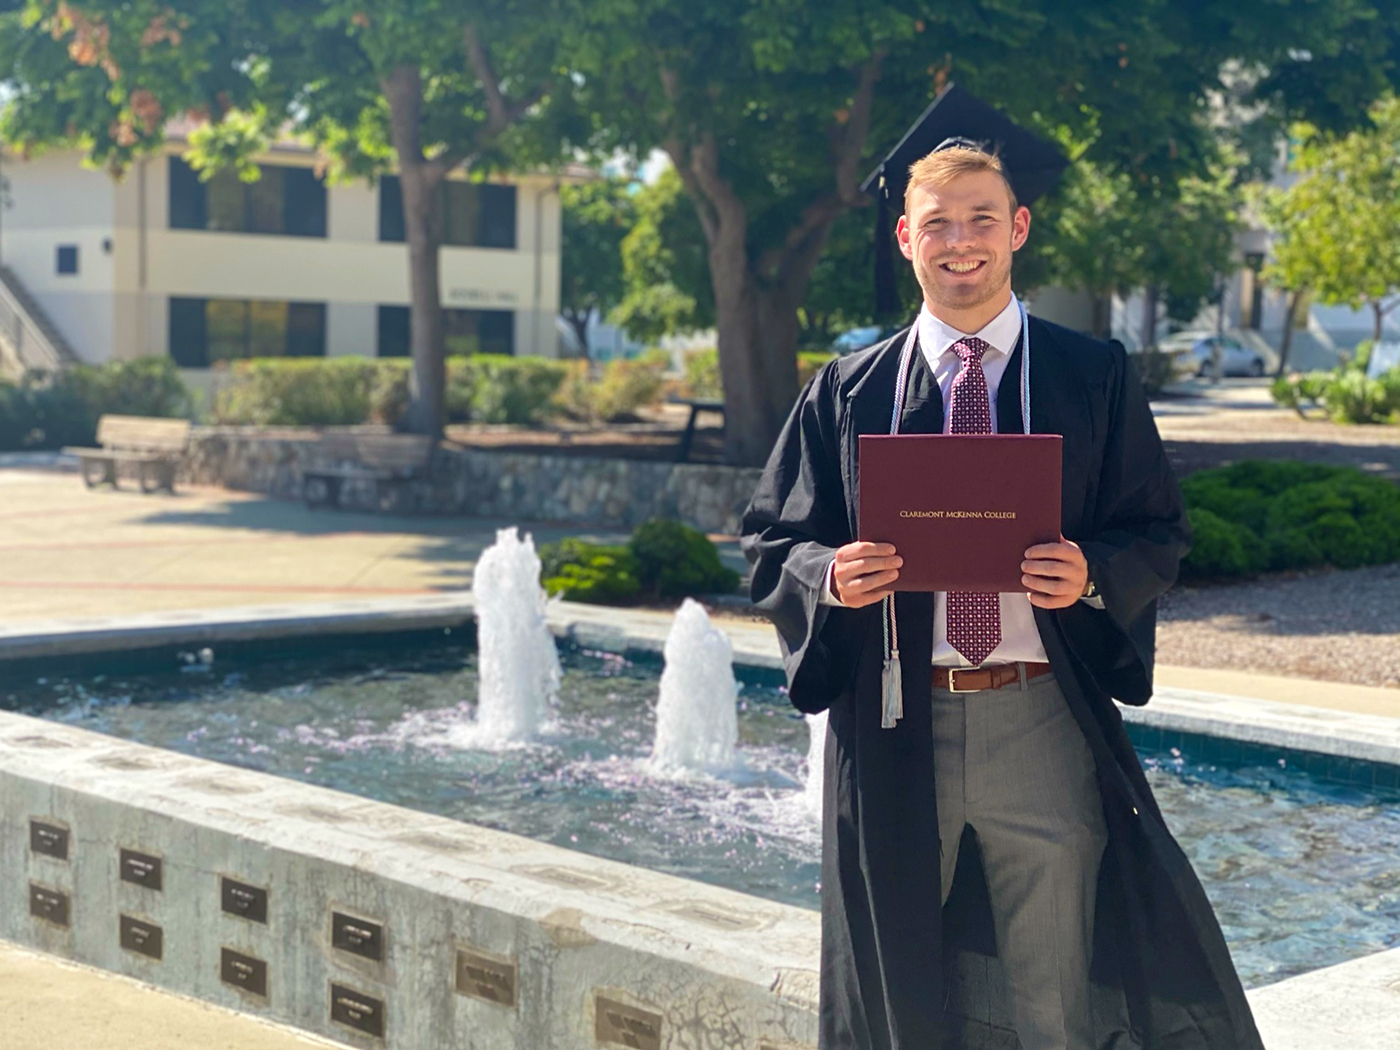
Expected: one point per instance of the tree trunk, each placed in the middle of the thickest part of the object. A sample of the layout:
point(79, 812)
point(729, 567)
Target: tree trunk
point(579, 323)
point(1151, 297)
point(421, 181)
point(1285, 344)
point(1101, 315)
point(1380, 318)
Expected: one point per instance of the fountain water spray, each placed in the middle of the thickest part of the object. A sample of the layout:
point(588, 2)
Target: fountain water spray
point(816, 762)
point(519, 662)
point(696, 721)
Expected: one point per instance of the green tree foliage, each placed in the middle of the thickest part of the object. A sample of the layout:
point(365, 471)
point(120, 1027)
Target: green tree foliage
point(665, 271)
point(1337, 227)
point(596, 217)
point(426, 87)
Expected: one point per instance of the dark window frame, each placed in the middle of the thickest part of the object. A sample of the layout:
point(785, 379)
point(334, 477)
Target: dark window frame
point(303, 329)
point(487, 209)
point(66, 262)
point(302, 207)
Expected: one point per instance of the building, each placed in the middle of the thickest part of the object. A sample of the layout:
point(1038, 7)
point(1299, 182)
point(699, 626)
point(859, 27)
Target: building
point(160, 263)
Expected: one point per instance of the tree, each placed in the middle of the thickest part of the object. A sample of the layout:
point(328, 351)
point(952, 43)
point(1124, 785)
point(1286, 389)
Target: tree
point(596, 217)
point(772, 112)
point(1337, 227)
point(421, 85)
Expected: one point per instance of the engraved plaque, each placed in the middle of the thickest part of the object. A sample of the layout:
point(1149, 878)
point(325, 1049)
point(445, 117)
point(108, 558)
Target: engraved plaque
point(357, 936)
point(719, 918)
point(243, 971)
point(621, 1025)
point(580, 880)
point(140, 937)
point(358, 1011)
point(48, 904)
point(247, 902)
point(486, 977)
point(142, 869)
point(48, 839)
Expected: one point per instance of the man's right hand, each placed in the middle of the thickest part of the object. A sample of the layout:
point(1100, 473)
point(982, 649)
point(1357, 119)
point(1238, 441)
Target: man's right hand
point(864, 573)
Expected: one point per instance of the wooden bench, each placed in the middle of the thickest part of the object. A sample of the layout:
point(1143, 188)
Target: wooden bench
point(154, 446)
point(697, 405)
point(389, 461)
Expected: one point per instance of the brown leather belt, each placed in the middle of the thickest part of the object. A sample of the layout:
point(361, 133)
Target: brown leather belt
point(958, 680)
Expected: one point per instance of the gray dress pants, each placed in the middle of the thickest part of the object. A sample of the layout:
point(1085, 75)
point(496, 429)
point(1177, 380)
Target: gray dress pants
point(1014, 765)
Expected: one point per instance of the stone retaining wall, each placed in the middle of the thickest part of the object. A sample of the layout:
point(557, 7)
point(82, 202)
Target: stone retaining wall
point(612, 492)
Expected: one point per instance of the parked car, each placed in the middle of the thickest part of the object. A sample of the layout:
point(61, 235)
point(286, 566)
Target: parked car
point(1236, 359)
point(849, 342)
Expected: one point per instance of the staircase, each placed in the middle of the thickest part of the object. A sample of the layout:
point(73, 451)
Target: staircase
point(28, 339)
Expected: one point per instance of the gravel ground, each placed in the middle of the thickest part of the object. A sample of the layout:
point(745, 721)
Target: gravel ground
point(1337, 626)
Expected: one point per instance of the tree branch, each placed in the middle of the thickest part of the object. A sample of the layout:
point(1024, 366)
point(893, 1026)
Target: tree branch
point(498, 116)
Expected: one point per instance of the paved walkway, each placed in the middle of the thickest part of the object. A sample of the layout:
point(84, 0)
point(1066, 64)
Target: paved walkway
point(73, 555)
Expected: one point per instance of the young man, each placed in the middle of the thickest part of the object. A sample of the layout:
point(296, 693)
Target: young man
point(1005, 814)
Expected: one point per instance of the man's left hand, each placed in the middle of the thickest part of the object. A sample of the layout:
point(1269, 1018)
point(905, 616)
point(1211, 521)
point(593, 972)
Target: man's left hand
point(1055, 574)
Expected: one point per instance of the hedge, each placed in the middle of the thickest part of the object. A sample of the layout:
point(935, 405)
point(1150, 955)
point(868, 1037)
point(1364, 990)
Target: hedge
point(1275, 515)
point(663, 558)
point(702, 370)
point(51, 410)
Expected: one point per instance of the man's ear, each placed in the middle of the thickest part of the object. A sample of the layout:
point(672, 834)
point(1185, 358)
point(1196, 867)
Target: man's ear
point(1020, 227)
point(901, 234)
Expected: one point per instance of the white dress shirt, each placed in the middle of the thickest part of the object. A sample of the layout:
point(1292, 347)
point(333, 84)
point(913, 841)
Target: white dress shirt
point(1020, 640)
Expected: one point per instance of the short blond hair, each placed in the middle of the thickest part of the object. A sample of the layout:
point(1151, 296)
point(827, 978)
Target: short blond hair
point(943, 166)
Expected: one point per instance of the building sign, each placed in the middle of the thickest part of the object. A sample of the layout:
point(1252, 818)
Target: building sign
point(487, 299)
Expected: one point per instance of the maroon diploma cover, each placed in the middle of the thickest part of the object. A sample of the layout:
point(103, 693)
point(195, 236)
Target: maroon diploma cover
point(960, 509)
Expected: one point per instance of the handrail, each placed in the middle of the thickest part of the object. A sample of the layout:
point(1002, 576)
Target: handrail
point(26, 341)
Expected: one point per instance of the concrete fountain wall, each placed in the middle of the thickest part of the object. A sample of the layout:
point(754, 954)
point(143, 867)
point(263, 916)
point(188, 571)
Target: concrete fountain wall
point(383, 927)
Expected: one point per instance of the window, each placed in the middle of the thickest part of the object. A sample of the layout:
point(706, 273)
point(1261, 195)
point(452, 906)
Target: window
point(203, 331)
point(474, 214)
point(464, 331)
point(287, 201)
point(67, 258)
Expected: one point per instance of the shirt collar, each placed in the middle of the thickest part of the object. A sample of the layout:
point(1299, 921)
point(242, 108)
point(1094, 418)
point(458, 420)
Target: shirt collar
point(1001, 332)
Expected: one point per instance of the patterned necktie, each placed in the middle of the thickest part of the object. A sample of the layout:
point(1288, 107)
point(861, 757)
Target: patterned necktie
point(974, 619)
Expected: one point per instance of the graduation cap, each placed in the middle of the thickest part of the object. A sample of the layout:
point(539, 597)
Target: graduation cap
point(954, 118)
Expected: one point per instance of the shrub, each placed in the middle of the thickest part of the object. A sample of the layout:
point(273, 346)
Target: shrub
point(1346, 393)
point(1221, 547)
point(388, 394)
point(673, 559)
point(1158, 368)
point(53, 409)
point(627, 385)
point(702, 374)
point(1352, 398)
point(498, 388)
point(1243, 491)
point(1347, 520)
point(588, 572)
point(313, 392)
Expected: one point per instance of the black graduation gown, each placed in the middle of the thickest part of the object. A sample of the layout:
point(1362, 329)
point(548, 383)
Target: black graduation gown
point(891, 957)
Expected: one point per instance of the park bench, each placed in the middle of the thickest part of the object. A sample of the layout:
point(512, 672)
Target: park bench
point(153, 446)
point(697, 405)
point(390, 462)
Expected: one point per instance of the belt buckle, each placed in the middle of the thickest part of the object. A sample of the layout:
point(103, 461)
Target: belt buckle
point(953, 672)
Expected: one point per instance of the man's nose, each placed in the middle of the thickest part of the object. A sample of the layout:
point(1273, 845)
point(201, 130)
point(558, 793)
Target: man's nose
point(958, 234)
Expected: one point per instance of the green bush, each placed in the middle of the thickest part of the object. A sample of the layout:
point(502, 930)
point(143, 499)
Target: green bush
point(47, 410)
point(1352, 398)
point(1267, 514)
point(588, 572)
point(1220, 547)
point(674, 560)
point(311, 392)
point(1346, 393)
point(498, 388)
point(628, 385)
point(702, 374)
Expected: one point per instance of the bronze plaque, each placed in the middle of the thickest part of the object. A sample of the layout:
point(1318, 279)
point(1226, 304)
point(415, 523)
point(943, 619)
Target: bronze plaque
point(719, 918)
point(622, 1025)
point(243, 971)
point(49, 905)
point(142, 869)
point(247, 902)
point(484, 977)
point(358, 1011)
point(48, 839)
point(140, 937)
point(357, 936)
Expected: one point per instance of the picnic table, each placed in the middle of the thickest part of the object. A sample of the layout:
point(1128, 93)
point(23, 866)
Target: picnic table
point(391, 462)
point(153, 446)
point(697, 405)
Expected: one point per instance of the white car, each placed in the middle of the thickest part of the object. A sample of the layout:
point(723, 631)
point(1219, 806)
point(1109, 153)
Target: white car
point(1236, 359)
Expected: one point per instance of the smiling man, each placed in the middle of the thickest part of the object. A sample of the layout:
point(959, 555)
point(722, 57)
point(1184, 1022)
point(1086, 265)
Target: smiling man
point(1001, 833)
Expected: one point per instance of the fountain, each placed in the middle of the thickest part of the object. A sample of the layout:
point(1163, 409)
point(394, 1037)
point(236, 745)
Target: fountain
point(696, 721)
point(816, 761)
point(520, 670)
